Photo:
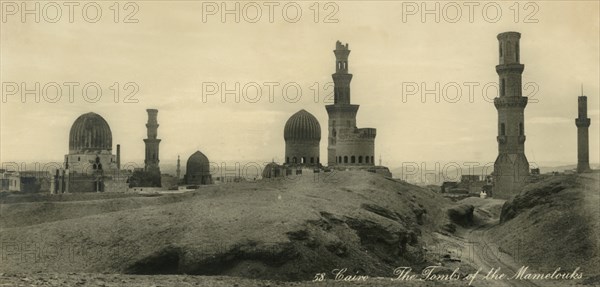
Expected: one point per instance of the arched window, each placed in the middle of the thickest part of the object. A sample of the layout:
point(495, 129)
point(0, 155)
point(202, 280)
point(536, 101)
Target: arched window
point(303, 160)
point(339, 159)
point(312, 160)
point(372, 159)
point(360, 159)
point(294, 160)
point(317, 159)
point(287, 159)
point(517, 51)
point(366, 159)
point(78, 158)
point(352, 159)
point(502, 129)
point(345, 159)
point(521, 131)
point(500, 45)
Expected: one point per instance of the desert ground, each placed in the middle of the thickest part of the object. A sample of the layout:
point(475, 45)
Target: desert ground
point(302, 231)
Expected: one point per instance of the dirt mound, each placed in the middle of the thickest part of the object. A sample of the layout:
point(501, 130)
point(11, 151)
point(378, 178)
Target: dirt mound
point(284, 229)
point(554, 223)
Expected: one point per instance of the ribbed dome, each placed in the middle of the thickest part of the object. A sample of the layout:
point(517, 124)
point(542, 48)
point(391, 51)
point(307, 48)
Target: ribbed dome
point(302, 126)
point(272, 170)
point(197, 163)
point(90, 132)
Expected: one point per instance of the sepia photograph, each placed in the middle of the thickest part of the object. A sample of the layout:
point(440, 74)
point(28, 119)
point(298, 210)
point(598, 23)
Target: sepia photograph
point(321, 143)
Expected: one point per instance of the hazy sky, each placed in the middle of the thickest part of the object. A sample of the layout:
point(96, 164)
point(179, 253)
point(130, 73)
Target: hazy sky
point(172, 55)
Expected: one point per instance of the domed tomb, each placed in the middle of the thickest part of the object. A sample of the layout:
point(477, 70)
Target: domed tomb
point(90, 145)
point(302, 135)
point(198, 169)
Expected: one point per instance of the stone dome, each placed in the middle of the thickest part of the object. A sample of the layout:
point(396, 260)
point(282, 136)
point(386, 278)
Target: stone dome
point(302, 126)
point(90, 132)
point(272, 170)
point(197, 164)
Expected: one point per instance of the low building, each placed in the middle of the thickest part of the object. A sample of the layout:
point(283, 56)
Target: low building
point(23, 181)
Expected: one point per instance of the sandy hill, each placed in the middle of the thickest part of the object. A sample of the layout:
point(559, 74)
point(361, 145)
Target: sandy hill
point(554, 223)
point(272, 229)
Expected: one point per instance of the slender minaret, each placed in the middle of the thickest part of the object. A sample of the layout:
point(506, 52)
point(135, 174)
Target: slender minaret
point(151, 161)
point(511, 168)
point(118, 157)
point(582, 122)
point(347, 144)
point(178, 167)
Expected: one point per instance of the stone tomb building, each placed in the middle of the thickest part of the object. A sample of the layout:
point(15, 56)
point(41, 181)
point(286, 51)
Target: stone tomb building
point(90, 165)
point(197, 170)
point(90, 145)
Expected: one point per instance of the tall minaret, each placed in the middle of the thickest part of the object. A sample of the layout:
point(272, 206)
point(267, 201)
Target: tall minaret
point(511, 168)
point(151, 162)
point(342, 115)
point(582, 122)
point(178, 167)
point(348, 145)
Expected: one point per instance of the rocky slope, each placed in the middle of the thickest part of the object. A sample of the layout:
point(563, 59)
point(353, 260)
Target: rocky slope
point(283, 229)
point(554, 223)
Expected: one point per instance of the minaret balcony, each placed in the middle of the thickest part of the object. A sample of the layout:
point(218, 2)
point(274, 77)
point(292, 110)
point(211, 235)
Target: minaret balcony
point(582, 122)
point(514, 67)
point(510, 102)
